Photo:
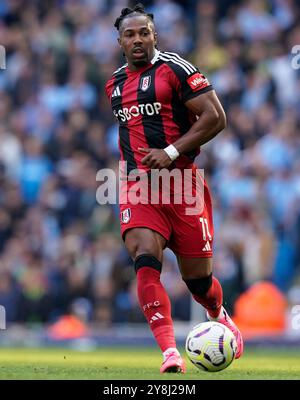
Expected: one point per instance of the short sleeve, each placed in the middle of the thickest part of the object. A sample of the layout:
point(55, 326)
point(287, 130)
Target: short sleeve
point(109, 87)
point(189, 81)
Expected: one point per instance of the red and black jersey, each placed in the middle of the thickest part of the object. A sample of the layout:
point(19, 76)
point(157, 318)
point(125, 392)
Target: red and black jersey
point(150, 106)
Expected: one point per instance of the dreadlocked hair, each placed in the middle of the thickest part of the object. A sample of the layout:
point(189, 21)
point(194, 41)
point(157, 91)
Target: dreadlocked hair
point(138, 8)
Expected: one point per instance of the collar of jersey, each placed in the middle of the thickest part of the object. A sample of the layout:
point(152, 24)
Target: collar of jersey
point(152, 62)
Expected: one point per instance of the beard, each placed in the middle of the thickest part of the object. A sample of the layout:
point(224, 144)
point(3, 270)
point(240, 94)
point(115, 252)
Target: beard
point(140, 63)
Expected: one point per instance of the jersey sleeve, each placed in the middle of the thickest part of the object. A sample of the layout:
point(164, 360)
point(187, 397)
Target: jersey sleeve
point(109, 87)
point(188, 81)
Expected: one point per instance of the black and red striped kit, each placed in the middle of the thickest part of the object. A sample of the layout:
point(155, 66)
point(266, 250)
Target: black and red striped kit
point(149, 105)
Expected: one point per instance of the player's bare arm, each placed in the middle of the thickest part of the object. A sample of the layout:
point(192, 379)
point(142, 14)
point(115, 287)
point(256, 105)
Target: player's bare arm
point(211, 120)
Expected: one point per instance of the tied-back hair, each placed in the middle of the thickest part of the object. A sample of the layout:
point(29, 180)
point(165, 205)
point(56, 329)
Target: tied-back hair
point(137, 9)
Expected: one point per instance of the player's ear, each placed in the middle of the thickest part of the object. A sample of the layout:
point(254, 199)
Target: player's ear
point(155, 39)
point(120, 44)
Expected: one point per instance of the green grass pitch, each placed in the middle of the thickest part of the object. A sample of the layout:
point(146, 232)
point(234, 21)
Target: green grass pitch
point(139, 363)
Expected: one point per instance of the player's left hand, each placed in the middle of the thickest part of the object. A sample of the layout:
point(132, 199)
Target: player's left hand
point(155, 158)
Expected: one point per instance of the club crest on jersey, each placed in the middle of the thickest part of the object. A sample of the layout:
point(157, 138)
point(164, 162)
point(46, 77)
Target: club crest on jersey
point(126, 215)
point(145, 83)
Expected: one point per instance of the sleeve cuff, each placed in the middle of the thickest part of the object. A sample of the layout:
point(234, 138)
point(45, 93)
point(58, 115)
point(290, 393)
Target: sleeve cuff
point(198, 93)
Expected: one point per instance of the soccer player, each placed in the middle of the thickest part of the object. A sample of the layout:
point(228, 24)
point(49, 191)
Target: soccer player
point(166, 110)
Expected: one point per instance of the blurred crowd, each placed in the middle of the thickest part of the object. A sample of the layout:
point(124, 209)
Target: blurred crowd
point(60, 251)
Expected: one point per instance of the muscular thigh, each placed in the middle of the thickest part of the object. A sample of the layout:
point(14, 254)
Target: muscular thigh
point(144, 241)
point(192, 268)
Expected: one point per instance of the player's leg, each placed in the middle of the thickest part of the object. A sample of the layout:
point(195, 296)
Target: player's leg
point(192, 242)
point(207, 290)
point(146, 248)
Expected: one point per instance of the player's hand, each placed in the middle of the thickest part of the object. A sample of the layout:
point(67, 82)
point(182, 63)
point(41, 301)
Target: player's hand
point(155, 158)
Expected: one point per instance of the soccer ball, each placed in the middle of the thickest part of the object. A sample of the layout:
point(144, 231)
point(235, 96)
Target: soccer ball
point(211, 346)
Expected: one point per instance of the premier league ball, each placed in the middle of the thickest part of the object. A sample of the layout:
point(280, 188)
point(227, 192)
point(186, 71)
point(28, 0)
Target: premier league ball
point(211, 346)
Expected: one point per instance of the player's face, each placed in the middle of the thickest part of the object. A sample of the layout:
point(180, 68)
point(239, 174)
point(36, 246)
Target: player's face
point(137, 40)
